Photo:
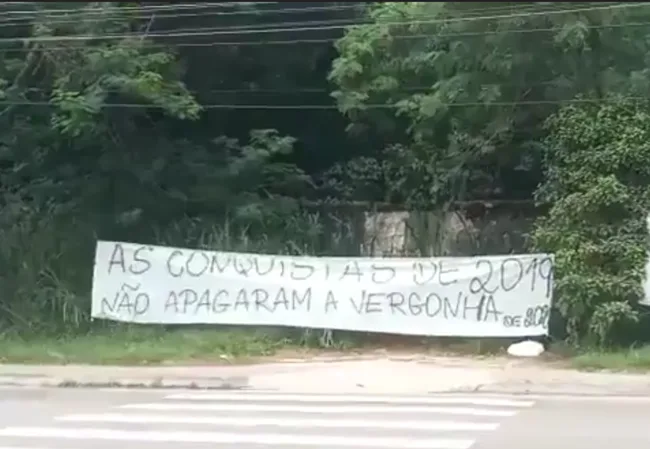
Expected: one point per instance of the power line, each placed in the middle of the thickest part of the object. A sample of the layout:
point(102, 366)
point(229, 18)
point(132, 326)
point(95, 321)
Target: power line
point(20, 20)
point(315, 90)
point(335, 107)
point(333, 39)
point(149, 8)
point(52, 19)
point(54, 13)
point(51, 14)
point(262, 26)
point(295, 25)
point(321, 28)
point(321, 24)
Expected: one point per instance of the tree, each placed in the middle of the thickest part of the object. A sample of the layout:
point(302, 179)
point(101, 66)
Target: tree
point(456, 93)
point(597, 165)
point(95, 143)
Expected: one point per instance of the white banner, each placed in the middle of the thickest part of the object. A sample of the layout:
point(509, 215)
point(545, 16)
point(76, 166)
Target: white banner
point(494, 296)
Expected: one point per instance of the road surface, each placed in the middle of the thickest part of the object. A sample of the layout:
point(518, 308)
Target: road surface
point(149, 419)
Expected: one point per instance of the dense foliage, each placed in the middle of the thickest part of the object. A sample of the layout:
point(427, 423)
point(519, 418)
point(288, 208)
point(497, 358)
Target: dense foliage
point(598, 182)
point(237, 126)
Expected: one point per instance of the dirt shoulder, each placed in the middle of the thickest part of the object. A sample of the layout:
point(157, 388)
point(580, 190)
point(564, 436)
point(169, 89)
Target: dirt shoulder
point(243, 347)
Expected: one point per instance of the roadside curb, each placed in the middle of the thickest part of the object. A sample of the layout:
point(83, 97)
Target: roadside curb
point(577, 390)
point(227, 383)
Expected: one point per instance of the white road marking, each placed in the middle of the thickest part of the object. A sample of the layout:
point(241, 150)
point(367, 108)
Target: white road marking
point(23, 447)
point(562, 397)
point(303, 408)
point(249, 421)
point(424, 399)
point(268, 439)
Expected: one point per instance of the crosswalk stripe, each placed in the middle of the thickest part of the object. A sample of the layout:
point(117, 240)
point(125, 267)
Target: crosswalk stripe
point(350, 398)
point(303, 408)
point(19, 447)
point(234, 438)
point(249, 421)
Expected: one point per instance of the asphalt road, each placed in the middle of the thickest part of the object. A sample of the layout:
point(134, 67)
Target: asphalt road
point(98, 419)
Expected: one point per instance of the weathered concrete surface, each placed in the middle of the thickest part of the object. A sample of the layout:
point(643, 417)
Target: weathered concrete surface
point(381, 375)
point(455, 374)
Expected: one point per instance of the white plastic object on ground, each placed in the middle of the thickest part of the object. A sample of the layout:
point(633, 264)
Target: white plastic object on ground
point(526, 348)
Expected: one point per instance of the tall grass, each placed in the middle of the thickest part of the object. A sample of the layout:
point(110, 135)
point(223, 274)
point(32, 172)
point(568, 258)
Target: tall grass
point(46, 260)
point(46, 263)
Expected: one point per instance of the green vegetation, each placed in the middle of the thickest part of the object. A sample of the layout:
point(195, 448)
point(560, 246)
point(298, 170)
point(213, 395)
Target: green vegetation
point(596, 226)
point(621, 360)
point(161, 124)
point(143, 346)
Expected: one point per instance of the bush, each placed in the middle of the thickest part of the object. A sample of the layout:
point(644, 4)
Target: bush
point(597, 161)
point(46, 255)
